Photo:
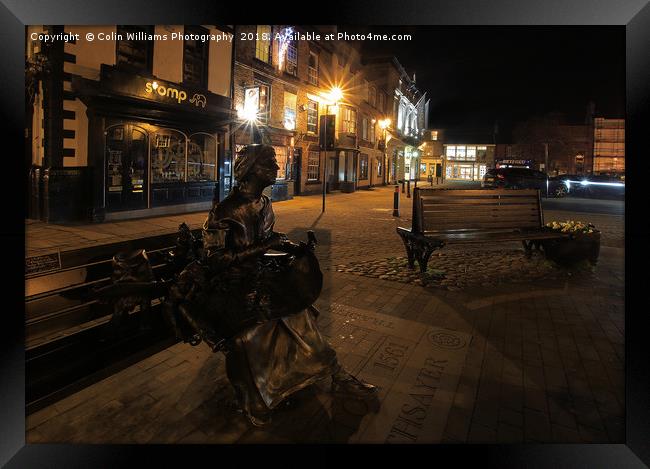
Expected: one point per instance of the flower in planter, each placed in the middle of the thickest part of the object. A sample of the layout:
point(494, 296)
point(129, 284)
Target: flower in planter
point(571, 226)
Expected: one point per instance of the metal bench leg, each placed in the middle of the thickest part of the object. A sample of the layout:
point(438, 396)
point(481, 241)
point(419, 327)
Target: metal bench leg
point(424, 255)
point(528, 246)
point(408, 244)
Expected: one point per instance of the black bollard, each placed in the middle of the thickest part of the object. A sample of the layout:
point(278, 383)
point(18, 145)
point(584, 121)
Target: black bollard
point(402, 183)
point(396, 202)
point(408, 188)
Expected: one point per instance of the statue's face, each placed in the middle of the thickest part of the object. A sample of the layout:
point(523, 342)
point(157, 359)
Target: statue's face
point(267, 169)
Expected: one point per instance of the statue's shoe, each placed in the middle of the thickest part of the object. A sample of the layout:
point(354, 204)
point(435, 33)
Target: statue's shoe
point(347, 385)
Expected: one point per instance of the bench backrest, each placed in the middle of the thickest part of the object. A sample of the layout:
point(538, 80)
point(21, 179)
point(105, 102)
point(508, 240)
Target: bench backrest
point(445, 210)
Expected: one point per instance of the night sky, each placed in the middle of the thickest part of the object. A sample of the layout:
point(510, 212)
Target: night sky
point(475, 76)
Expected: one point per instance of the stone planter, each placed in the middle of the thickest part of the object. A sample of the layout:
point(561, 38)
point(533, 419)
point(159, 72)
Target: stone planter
point(576, 248)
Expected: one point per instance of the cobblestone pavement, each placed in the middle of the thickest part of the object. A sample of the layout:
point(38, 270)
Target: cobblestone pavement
point(544, 362)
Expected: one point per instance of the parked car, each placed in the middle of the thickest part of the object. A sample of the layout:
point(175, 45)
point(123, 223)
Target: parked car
point(581, 185)
point(514, 178)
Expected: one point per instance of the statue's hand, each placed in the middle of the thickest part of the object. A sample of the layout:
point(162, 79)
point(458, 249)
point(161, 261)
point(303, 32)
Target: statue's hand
point(276, 241)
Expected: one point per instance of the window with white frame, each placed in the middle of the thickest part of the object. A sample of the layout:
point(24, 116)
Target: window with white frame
point(313, 166)
point(364, 128)
point(291, 62)
point(372, 96)
point(460, 152)
point(349, 121)
point(450, 152)
point(373, 129)
point(312, 117)
point(263, 43)
point(471, 153)
point(312, 70)
point(257, 98)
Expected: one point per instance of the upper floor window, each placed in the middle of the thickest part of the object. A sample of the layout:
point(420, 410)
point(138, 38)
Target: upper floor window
point(373, 126)
point(291, 60)
point(131, 53)
point(312, 71)
point(312, 117)
point(289, 110)
point(256, 100)
point(195, 58)
point(382, 102)
point(372, 96)
point(349, 120)
point(364, 128)
point(263, 43)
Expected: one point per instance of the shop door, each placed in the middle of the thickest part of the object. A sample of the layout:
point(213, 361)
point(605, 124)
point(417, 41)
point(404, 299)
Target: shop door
point(127, 149)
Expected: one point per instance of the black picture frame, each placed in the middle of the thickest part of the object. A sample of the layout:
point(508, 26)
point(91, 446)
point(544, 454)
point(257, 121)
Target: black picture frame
point(634, 15)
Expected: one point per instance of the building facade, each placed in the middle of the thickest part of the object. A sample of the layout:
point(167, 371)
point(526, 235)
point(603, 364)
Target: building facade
point(609, 146)
point(135, 123)
point(407, 109)
point(287, 80)
point(552, 144)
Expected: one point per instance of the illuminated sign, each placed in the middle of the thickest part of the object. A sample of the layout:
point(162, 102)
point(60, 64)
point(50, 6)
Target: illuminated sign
point(170, 92)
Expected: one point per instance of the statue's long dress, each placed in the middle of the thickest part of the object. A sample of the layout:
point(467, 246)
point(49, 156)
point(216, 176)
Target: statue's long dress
point(273, 359)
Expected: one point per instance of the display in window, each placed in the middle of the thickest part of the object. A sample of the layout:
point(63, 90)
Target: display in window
point(202, 158)
point(168, 158)
point(114, 170)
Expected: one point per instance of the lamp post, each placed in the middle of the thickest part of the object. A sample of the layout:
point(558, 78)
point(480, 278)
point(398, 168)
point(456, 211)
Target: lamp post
point(335, 95)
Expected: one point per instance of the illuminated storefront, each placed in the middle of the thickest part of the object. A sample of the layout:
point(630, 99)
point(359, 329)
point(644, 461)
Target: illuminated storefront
point(154, 143)
point(467, 162)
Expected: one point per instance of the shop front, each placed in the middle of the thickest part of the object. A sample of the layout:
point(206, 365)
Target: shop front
point(154, 147)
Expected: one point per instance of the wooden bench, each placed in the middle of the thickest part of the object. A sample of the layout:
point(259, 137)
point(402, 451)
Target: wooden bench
point(66, 325)
point(450, 216)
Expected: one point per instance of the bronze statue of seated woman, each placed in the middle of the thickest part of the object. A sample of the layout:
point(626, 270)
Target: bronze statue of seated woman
point(254, 306)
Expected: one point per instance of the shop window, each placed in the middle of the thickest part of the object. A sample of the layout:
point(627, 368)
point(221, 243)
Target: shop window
point(312, 71)
point(481, 153)
point(263, 43)
point(450, 152)
point(379, 168)
point(289, 111)
point(460, 152)
point(363, 166)
point(312, 117)
point(313, 166)
point(423, 168)
point(349, 121)
point(202, 158)
point(134, 55)
point(471, 153)
point(168, 156)
point(282, 160)
point(195, 58)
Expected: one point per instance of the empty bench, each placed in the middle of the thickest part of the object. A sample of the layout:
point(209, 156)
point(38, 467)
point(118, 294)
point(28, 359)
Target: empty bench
point(450, 216)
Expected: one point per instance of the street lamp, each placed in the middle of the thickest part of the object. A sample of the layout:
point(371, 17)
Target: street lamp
point(335, 95)
point(384, 124)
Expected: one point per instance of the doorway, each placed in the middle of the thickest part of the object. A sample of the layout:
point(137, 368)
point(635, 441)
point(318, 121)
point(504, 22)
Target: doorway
point(126, 156)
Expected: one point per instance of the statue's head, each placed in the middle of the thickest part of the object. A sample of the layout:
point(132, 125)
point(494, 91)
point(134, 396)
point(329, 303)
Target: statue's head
point(257, 163)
